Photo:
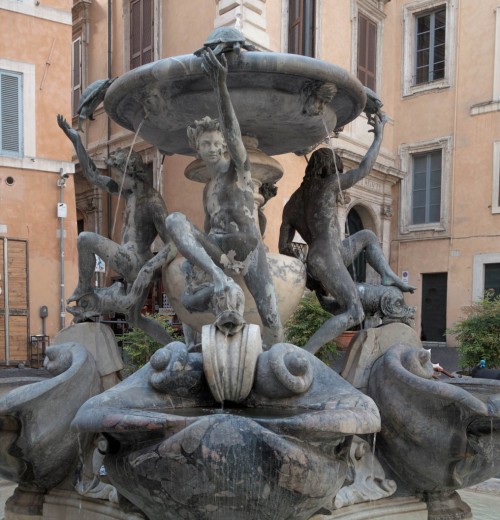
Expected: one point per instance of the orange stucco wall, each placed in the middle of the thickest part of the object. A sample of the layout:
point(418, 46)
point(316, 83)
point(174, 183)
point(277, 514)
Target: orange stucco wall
point(28, 206)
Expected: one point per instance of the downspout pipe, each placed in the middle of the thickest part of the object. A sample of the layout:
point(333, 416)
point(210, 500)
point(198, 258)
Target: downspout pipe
point(61, 183)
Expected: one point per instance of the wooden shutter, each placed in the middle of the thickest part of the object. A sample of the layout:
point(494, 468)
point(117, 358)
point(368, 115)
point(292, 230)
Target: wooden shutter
point(14, 306)
point(10, 113)
point(77, 73)
point(147, 31)
point(141, 32)
point(367, 52)
point(295, 24)
point(301, 27)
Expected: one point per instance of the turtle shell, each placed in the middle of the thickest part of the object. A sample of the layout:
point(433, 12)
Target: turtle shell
point(224, 35)
point(92, 91)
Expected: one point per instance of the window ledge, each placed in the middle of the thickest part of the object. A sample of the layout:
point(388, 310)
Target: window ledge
point(36, 164)
point(423, 232)
point(432, 86)
point(485, 108)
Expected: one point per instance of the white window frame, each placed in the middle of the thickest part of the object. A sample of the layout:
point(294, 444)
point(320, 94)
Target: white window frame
point(27, 70)
point(495, 195)
point(406, 153)
point(377, 16)
point(410, 13)
point(478, 263)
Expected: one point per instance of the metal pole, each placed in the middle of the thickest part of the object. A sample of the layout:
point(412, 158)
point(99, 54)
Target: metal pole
point(62, 184)
point(6, 299)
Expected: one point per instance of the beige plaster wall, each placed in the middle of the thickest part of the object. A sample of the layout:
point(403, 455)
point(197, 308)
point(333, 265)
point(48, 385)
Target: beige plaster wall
point(473, 228)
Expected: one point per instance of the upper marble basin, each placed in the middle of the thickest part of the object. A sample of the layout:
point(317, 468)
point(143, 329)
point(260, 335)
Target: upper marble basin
point(268, 91)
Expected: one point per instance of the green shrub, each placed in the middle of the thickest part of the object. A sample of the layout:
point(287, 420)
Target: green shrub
point(139, 346)
point(478, 335)
point(305, 321)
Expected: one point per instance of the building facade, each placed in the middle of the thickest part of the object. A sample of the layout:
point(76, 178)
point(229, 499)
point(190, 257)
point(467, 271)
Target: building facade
point(432, 198)
point(37, 247)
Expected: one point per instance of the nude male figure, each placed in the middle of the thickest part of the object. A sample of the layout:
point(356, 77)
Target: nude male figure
point(312, 211)
point(144, 220)
point(231, 239)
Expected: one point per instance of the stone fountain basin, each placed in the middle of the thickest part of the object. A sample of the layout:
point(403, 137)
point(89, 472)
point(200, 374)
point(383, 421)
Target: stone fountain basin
point(436, 436)
point(265, 89)
point(36, 449)
point(178, 454)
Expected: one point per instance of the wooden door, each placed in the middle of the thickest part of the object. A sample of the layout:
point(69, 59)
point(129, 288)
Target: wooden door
point(434, 296)
point(14, 306)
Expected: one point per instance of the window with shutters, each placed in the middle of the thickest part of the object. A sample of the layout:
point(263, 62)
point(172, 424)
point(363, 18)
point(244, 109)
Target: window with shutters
point(367, 52)
point(141, 32)
point(301, 27)
point(425, 186)
point(429, 42)
point(426, 190)
point(11, 113)
point(76, 73)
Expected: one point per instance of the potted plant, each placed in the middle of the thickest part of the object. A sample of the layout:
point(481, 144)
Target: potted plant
point(305, 321)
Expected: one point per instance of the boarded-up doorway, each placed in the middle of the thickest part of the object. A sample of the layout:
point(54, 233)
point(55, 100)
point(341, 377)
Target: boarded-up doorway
point(14, 306)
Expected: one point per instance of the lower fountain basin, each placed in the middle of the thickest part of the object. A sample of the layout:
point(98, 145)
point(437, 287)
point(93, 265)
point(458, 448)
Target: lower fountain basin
point(36, 450)
point(175, 453)
point(436, 436)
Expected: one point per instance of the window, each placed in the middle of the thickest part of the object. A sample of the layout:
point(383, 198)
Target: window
point(301, 27)
point(430, 46)
point(429, 41)
point(367, 52)
point(76, 73)
point(485, 274)
point(141, 32)
point(425, 186)
point(426, 190)
point(11, 113)
point(492, 278)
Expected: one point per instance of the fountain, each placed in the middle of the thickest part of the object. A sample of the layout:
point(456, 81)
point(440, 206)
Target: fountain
point(243, 425)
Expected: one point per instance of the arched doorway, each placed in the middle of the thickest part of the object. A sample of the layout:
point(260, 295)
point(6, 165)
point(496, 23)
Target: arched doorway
point(357, 269)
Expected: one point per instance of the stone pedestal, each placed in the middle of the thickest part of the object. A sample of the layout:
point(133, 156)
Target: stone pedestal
point(401, 508)
point(68, 505)
point(100, 341)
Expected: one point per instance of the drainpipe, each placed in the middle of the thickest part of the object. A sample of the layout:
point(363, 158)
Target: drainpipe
point(6, 299)
point(61, 213)
point(110, 211)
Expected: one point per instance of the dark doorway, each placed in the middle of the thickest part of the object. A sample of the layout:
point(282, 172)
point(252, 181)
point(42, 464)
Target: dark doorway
point(492, 279)
point(358, 267)
point(434, 293)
